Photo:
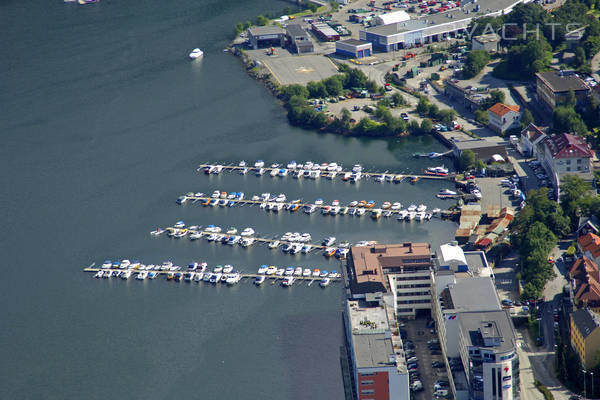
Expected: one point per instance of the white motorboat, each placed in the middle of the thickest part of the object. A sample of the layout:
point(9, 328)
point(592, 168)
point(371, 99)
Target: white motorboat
point(152, 274)
point(107, 274)
point(360, 211)
point(259, 280)
point(218, 268)
point(325, 282)
point(316, 273)
point(227, 269)
point(99, 274)
point(247, 232)
point(274, 173)
point(125, 264)
point(421, 208)
point(289, 271)
point(195, 235)
point(309, 208)
point(411, 215)
point(247, 241)
point(188, 276)
point(196, 53)
point(306, 272)
point(436, 210)
point(412, 207)
point(283, 172)
point(306, 249)
point(198, 276)
point(107, 264)
point(280, 272)
point(329, 241)
point(207, 276)
point(298, 271)
point(232, 279)
point(402, 214)
point(141, 275)
point(126, 274)
point(260, 172)
point(292, 165)
point(274, 245)
point(357, 168)
point(259, 164)
point(263, 269)
point(420, 215)
point(271, 270)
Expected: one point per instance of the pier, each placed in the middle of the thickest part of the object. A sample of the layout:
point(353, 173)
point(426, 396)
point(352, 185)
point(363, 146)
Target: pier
point(329, 174)
point(360, 209)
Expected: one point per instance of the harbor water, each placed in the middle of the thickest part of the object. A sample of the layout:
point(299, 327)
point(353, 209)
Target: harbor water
point(104, 121)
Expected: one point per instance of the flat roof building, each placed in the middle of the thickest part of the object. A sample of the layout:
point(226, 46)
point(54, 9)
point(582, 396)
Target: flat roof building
point(265, 36)
point(353, 48)
point(483, 149)
point(376, 352)
point(553, 87)
point(487, 43)
point(392, 17)
point(324, 32)
point(299, 39)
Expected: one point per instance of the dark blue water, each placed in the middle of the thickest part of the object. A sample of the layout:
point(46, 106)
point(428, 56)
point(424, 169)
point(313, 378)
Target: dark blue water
point(103, 122)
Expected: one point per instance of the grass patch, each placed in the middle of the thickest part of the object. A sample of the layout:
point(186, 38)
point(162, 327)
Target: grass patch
point(306, 12)
point(544, 390)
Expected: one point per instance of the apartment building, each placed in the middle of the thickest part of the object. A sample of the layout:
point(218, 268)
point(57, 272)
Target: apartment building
point(585, 336)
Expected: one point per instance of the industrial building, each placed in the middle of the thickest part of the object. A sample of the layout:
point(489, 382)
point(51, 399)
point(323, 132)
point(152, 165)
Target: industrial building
point(266, 36)
point(324, 32)
point(353, 48)
point(483, 149)
point(433, 27)
point(392, 18)
point(299, 39)
point(377, 358)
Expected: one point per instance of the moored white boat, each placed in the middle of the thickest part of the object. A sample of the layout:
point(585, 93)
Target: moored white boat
point(196, 53)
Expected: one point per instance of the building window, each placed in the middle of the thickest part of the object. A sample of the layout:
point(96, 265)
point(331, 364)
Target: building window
point(366, 382)
point(366, 374)
point(568, 162)
point(579, 161)
point(367, 391)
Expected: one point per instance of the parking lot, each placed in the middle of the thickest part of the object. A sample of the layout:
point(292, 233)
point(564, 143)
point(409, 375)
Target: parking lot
point(419, 334)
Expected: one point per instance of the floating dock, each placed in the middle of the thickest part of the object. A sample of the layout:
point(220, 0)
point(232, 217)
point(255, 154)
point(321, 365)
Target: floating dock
point(391, 177)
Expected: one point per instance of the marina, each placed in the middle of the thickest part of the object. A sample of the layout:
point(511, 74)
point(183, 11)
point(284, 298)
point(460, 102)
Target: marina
point(290, 242)
point(198, 272)
point(277, 203)
point(331, 171)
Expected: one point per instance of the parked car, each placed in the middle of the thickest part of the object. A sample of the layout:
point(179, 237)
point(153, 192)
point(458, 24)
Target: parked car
point(437, 364)
point(404, 116)
point(416, 386)
point(412, 360)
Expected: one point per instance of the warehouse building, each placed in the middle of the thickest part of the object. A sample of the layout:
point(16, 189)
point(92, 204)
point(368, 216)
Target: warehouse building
point(392, 18)
point(325, 33)
point(434, 27)
point(266, 36)
point(299, 39)
point(353, 48)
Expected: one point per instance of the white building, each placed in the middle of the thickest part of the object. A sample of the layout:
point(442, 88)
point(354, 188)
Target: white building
point(503, 117)
point(531, 136)
point(377, 357)
point(392, 18)
point(566, 154)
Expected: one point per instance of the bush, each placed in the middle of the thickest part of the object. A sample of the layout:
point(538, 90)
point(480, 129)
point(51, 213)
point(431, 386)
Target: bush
point(544, 390)
point(435, 76)
point(476, 60)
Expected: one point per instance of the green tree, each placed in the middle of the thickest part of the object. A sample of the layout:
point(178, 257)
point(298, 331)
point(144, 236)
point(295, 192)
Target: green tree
point(423, 106)
point(435, 76)
point(572, 191)
point(261, 20)
point(566, 119)
point(447, 117)
point(398, 99)
point(580, 58)
point(368, 127)
point(371, 87)
point(286, 92)
point(496, 96)
point(467, 159)
point(481, 116)
point(316, 89)
point(334, 85)
point(312, 7)
point(526, 118)
point(476, 60)
point(426, 126)
point(354, 78)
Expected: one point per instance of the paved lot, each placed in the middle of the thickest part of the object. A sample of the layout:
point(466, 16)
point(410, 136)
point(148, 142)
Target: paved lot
point(300, 69)
point(419, 334)
point(494, 194)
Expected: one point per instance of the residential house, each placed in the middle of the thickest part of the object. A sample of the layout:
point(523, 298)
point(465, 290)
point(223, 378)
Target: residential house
point(584, 278)
point(588, 225)
point(585, 336)
point(531, 136)
point(589, 246)
point(503, 117)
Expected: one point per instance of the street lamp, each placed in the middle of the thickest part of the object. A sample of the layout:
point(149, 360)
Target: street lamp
point(592, 374)
point(584, 373)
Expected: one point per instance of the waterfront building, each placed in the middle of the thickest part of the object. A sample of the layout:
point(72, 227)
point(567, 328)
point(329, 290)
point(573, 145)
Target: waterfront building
point(483, 149)
point(266, 36)
point(404, 270)
point(502, 117)
point(553, 87)
point(585, 336)
point(377, 358)
point(353, 48)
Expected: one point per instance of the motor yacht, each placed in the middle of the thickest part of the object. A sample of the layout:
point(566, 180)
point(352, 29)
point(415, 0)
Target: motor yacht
point(288, 281)
point(298, 271)
point(247, 232)
point(274, 244)
point(216, 277)
point(259, 164)
point(263, 269)
point(227, 269)
point(271, 270)
point(306, 272)
point(99, 274)
point(152, 274)
point(259, 280)
point(421, 208)
point(324, 282)
point(196, 53)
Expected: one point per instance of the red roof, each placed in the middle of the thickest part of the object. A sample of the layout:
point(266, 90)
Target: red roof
point(590, 242)
point(565, 145)
point(532, 132)
point(583, 266)
point(501, 109)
